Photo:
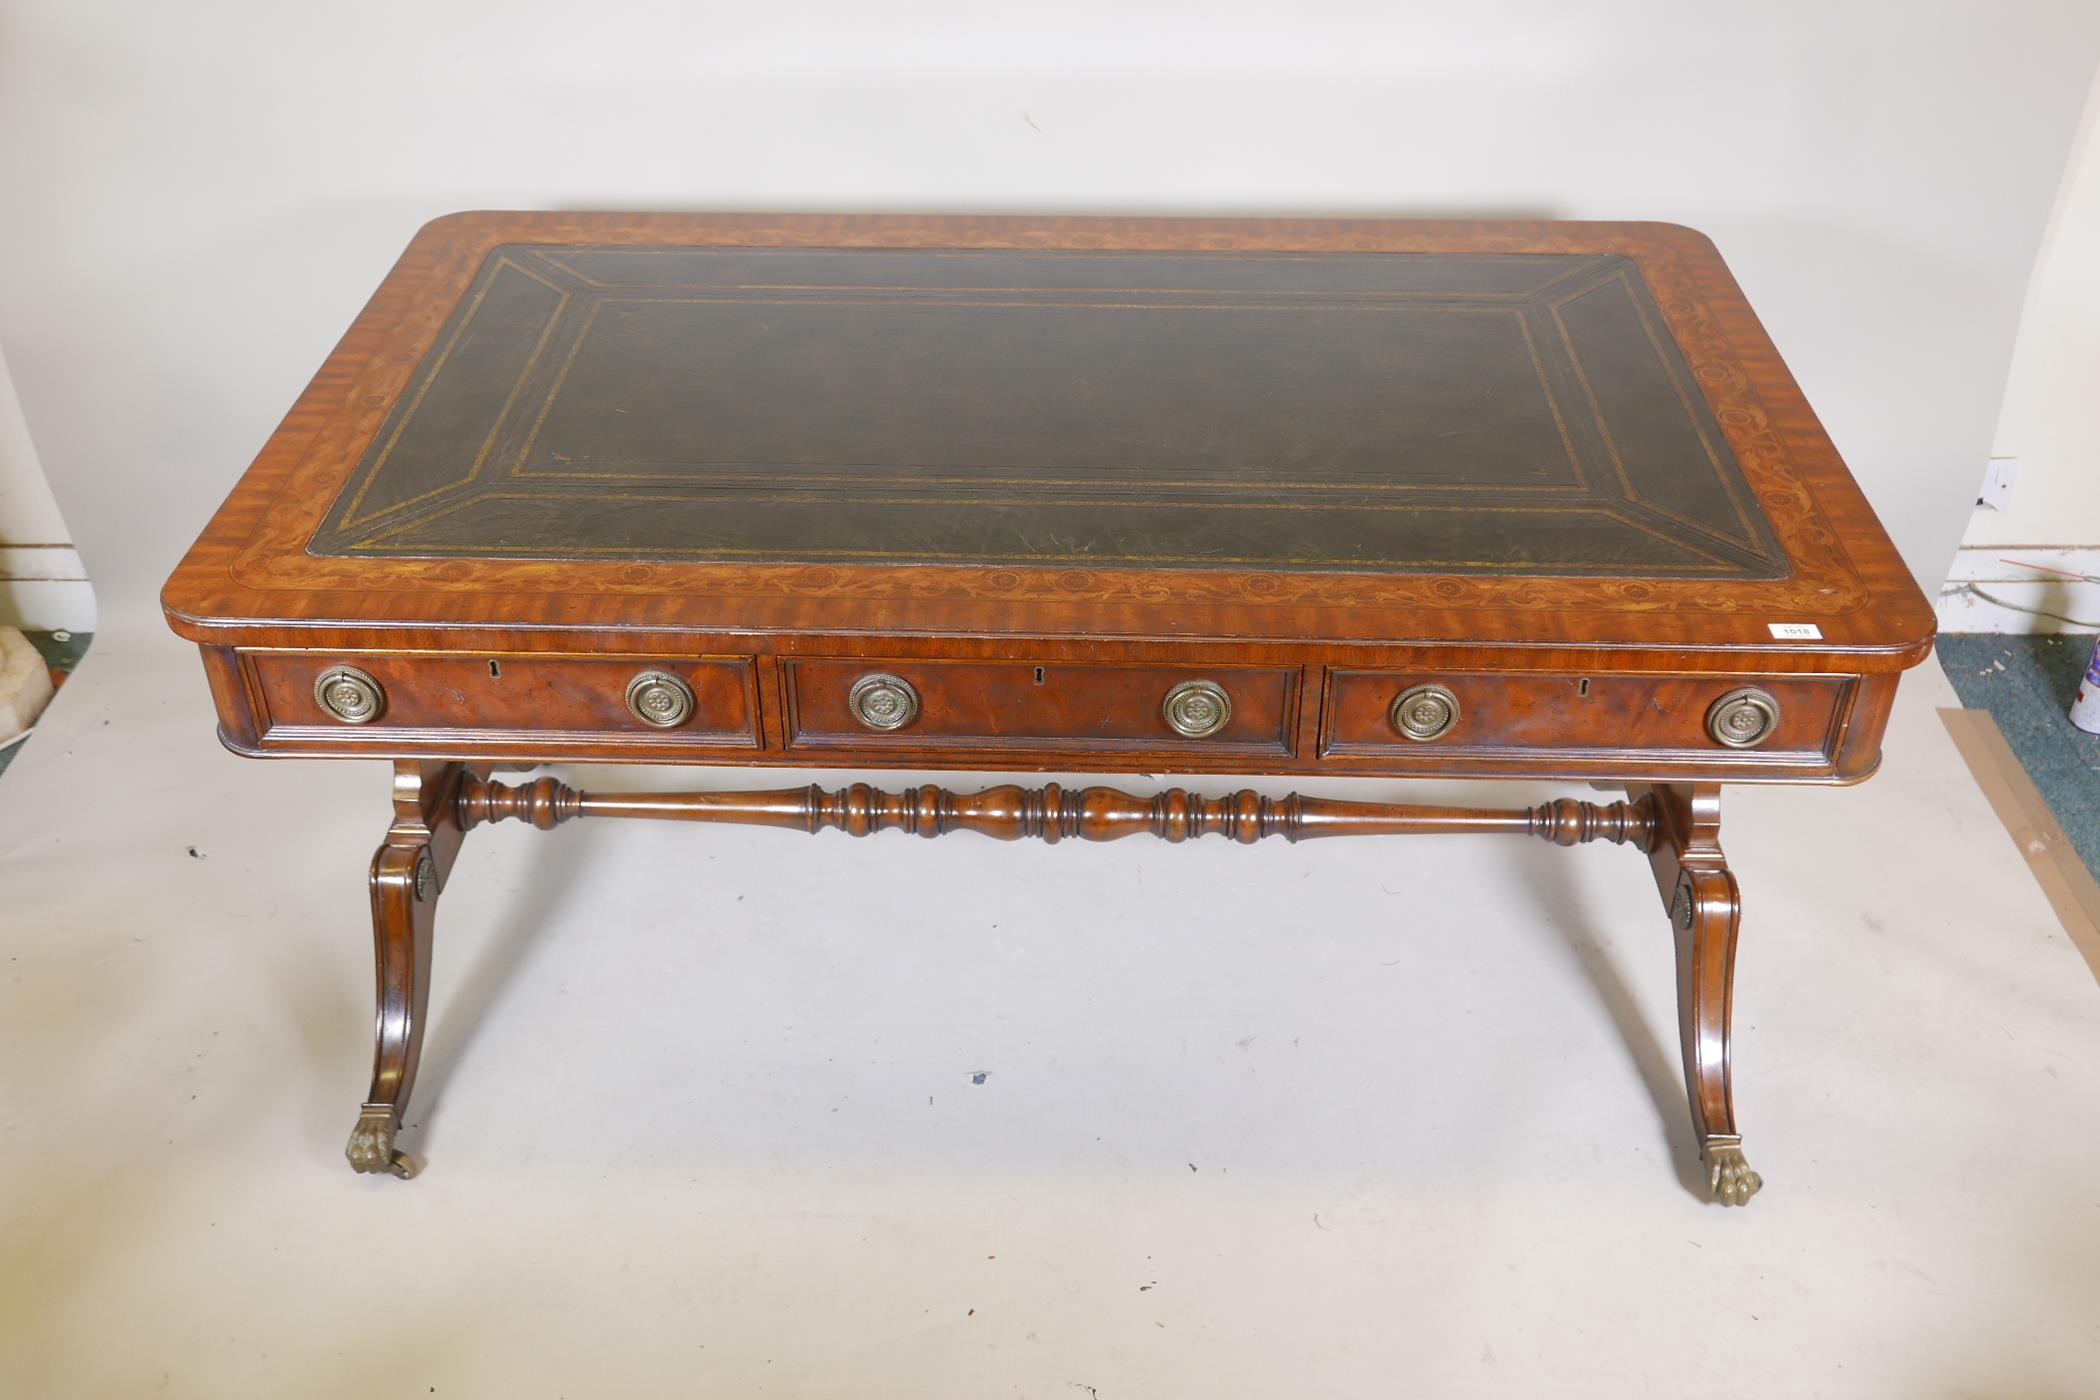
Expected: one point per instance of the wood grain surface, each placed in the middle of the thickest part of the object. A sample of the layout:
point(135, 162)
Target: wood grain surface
point(253, 576)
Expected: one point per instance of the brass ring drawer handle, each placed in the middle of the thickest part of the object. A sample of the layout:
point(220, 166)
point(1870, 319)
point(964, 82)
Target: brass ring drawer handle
point(1743, 718)
point(660, 699)
point(1197, 709)
point(349, 694)
point(883, 701)
point(1425, 712)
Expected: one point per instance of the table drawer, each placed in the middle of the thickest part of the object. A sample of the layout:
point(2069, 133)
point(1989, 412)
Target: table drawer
point(957, 704)
point(1508, 715)
point(690, 701)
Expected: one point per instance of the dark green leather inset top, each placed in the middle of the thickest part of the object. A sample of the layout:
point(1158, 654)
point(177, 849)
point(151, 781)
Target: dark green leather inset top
point(1396, 412)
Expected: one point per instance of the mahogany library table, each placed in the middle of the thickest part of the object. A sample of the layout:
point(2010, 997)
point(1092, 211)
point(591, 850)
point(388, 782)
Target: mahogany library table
point(1512, 500)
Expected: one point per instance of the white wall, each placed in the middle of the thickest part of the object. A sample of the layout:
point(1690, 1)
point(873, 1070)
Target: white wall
point(2051, 418)
point(2049, 429)
point(199, 196)
point(41, 583)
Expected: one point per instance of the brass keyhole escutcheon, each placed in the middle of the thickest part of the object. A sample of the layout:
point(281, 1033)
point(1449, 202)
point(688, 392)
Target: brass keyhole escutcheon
point(349, 694)
point(1197, 709)
point(1425, 712)
point(1744, 718)
point(883, 701)
point(659, 699)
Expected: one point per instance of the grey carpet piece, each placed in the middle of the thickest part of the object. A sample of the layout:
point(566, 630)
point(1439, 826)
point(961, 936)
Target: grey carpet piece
point(2027, 684)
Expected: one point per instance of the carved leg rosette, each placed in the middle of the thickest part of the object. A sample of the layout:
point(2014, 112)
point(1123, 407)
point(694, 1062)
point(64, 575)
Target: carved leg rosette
point(1705, 906)
point(408, 870)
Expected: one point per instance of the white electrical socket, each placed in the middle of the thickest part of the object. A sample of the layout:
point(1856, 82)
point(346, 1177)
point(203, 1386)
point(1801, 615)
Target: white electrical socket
point(1996, 491)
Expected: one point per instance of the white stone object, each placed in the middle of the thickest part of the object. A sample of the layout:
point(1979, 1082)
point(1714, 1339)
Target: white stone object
point(25, 683)
point(2085, 706)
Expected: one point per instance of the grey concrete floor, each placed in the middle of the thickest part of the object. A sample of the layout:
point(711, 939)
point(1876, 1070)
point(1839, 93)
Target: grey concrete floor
point(703, 1115)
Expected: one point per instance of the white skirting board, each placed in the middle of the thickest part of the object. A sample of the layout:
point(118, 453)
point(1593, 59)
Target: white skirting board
point(44, 588)
point(2023, 589)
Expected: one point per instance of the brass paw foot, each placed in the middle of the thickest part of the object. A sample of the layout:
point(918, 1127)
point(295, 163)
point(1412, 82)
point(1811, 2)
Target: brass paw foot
point(1728, 1175)
point(371, 1147)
